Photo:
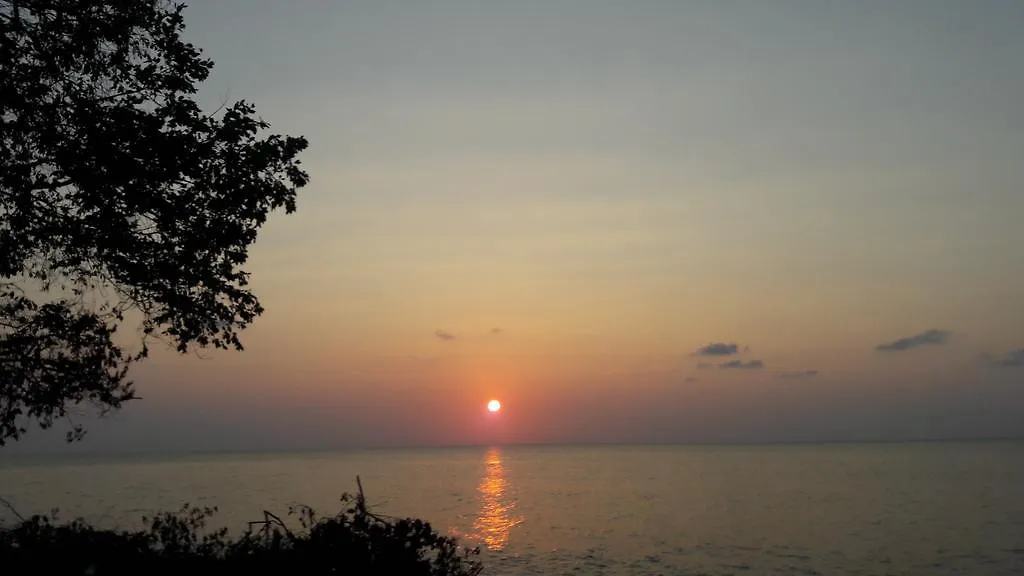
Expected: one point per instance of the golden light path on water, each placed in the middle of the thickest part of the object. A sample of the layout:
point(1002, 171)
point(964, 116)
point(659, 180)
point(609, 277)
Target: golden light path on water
point(495, 520)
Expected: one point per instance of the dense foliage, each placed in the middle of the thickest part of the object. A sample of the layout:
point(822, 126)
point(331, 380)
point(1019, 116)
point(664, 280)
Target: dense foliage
point(119, 198)
point(355, 541)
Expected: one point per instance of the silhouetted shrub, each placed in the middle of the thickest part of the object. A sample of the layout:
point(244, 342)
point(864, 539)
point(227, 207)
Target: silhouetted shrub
point(354, 541)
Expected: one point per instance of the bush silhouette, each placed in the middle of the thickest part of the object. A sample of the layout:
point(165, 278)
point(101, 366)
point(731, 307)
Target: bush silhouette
point(354, 541)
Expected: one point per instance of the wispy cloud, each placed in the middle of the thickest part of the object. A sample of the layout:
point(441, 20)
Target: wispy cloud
point(1012, 359)
point(799, 374)
point(718, 349)
point(496, 331)
point(741, 365)
point(691, 378)
point(445, 336)
point(931, 337)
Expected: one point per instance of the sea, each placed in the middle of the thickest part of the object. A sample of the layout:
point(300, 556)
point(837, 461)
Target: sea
point(872, 509)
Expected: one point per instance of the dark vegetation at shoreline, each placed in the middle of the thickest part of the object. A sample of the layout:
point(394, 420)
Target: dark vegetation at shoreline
point(353, 541)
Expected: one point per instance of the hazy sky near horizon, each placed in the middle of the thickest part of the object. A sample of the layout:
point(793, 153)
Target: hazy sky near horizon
point(559, 204)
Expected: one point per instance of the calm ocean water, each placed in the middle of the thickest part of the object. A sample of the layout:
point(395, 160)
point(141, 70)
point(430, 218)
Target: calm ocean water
point(915, 508)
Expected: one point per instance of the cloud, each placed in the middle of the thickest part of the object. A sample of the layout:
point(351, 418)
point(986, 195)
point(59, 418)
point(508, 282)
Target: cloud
point(741, 365)
point(446, 336)
point(705, 366)
point(691, 378)
point(799, 374)
point(1012, 359)
point(718, 349)
point(931, 337)
point(497, 331)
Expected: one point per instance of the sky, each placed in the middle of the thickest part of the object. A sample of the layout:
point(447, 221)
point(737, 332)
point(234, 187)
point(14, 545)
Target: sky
point(653, 221)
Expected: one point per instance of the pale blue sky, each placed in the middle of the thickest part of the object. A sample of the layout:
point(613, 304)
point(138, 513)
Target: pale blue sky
point(616, 184)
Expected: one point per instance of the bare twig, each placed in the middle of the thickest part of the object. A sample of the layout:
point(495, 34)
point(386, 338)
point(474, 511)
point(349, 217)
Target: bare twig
point(10, 507)
point(363, 509)
point(269, 520)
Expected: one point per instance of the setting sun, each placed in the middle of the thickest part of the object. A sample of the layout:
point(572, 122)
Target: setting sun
point(493, 406)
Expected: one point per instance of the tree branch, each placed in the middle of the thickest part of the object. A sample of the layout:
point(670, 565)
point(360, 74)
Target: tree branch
point(9, 506)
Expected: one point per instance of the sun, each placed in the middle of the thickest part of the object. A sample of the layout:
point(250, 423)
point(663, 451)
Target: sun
point(493, 406)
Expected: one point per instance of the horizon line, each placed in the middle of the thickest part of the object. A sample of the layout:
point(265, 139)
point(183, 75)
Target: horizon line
point(467, 446)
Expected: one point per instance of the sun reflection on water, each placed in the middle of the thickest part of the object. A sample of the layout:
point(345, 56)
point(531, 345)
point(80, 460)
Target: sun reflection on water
point(495, 521)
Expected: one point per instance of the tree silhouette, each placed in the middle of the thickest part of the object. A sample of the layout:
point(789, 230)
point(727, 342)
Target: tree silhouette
point(119, 198)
